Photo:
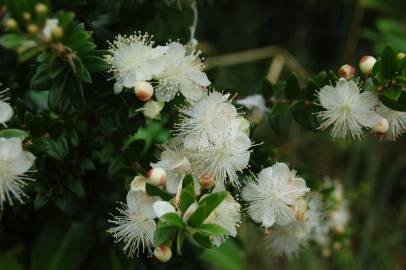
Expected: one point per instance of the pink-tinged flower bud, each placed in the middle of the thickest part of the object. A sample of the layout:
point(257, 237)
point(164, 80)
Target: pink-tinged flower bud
point(400, 55)
point(381, 126)
point(366, 64)
point(143, 90)
point(163, 253)
point(346, 71)
point(156, 176)
point(206, 181)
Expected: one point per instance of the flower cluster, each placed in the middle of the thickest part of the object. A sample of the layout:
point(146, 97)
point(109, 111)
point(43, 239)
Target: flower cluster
point(348, 112)
point(174, 68)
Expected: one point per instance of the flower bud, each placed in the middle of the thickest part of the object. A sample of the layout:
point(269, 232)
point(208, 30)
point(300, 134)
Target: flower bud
point(401, 55)
point(10, 24)
point(326, 252)
point(381, 126)
point(366, 64)
point(143, 90)
point(163, 253)
point(32, 28)
point(41, 9)
point(206, 181)
point(340, 230)
point(138, 183)
point(57, 32)
point(346, 71)
point(27, 16)
point(156, 176)
point(337, 246)
point(152, 109)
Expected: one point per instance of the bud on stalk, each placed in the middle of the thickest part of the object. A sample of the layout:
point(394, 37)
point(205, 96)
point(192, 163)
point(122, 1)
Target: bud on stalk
point(143, 90)
point(366, 64)
point(156, 176)
point(381, 126)
point(346, 71)
point(163, 253)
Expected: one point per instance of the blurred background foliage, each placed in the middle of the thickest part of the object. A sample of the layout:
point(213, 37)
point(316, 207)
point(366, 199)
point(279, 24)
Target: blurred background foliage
point(314, 35)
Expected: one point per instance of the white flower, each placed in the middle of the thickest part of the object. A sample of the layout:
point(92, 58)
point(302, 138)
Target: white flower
point(228, 216)
point(214, 138)
point(271, 197)
point(50, 24)
point(132, 58)
point(397, 121)
point(340, 216)
point(347, 110)
point(14, 163)
point(256, 103)
point(288, 240)
point(315, 219)
point(175, 164)
point(135, 226)
point(182, 73)
point(6, 112)
point(152, 109)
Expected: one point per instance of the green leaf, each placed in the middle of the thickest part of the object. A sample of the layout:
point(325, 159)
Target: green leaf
point(77, 187)
point(187, 196)
point(228, 256)
point(14, 133)
point(173, 219)
point(203, 240)
point(11, 41)
point(398, 105)
point(57, 250)
point(40, 201)
point(388, 62)
point(163, 232)
point(206, 205)
point(180, 239)
point(156, 191)
point(393, 93)
point(8, 262)
point(212, 229)
point(266, 89)
point(292, 87)
point(95, 64)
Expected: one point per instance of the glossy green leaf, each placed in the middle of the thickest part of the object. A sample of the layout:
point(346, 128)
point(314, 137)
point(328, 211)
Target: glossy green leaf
point(206, 205)
point(212, 229)
point(292, 88)
point(173, 219)
point(156, 191)
point(14, 133)
point(388, 62)
point(202, 240)
point(163, 232)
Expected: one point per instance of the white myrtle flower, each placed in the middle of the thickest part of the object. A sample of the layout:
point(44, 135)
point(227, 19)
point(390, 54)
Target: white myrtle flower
point(182, 73)
point(6, 111)
point(288, 240)
point(271, 197)
point(315, 219)
point(340, 216)
point(50, 25)
point(14, 164)
point(228, 216)
point(135, 226)
point(132, 58)
point(397, 121)
point(347, 110)
point(176, 165)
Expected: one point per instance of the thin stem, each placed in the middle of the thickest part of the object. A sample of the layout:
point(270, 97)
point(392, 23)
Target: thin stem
point(192, 28)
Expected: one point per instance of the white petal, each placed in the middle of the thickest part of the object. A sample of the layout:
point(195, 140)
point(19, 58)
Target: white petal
point(161, 208)
point(269, 218)
point(200, 78)
point(22, 164)
point(10, 148)
point(118, 88)
point(6, 112)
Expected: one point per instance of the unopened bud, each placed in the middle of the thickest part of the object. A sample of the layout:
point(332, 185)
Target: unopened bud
point(57, 32)
point(143, 90)
point(138, 183)
point(156, 176)
point(326, 252)
point(27, 16)
point(163, 253)
point(152, 109)
point(206, 181)
point(41, 9)
point(366, 64)
point(32, 28)
point(381, 126)
point(346, 71)
point(340, 229)
point(337, 246)
point(10, 24)
point(400, 55)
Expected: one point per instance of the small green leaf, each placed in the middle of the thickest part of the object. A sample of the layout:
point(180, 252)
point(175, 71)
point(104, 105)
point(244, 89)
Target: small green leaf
point(163, 232)
point(173, 219)
point(398, 105)
point(180, 239)
point(292, 88)
point(212, 229)
point(203, 240)
point(40, 201)
point(12, 133)
point(304, 115)
point(206, 205)
point(11, 41)
point(388, 62)
point(393, 93)
point(156, 191)
point(187, 196)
